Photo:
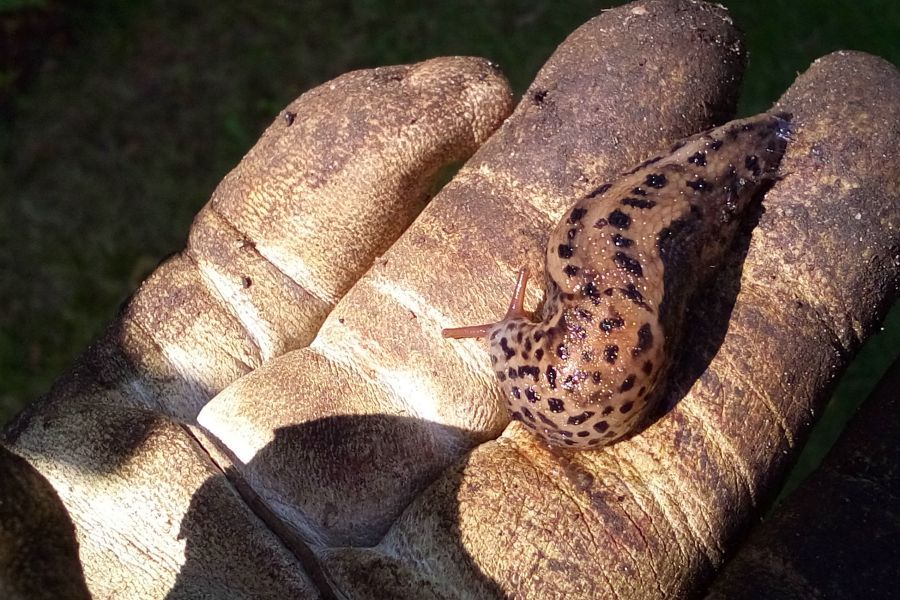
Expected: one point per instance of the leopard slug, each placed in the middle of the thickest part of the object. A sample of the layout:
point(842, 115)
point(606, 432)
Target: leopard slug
point(621, 265)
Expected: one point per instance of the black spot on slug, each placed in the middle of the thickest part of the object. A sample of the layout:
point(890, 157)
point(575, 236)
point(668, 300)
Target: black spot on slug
point(583, 433)
point(601, 426)
point(656, 180)
point(538, 96)
point(551, 376)
point(515, 392)
point(622, 242)
point(627, 384)
point(572, 233)
point(531, 371)
point(698, 158)
point(607, 410)
point(590, 290)
point(633, 294)
point(639, 191)
point(599, 190)
point(562, 352)
point(539, 354)
point(611, 323)
point(513, 374)
point(577, 215)
point(289, 117)
point(571, 270)
point(626, 407)
point(501, 376)
point(596, 377)
point(587, 356)
point(556, 405)
point(546, 421)
point(644, 340)
point(531, 395)
point(698, 185)
point(527, 413)
point(638, 203)
point(647, 368)
point(627, 263)
point(611, 353)
point(715, 144)
point(579, 419)
point(619, 219)
point(504, 345)
point(564, 251)
point(601, 223)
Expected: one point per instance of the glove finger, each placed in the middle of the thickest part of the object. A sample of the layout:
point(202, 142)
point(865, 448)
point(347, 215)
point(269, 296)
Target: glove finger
point(838, 531)
point(654, 516)
point(331, 183)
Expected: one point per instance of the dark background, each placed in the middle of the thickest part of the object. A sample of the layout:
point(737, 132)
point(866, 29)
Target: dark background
point(119, 118)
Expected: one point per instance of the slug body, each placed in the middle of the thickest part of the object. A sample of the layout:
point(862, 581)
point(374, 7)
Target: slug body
point(621, 265)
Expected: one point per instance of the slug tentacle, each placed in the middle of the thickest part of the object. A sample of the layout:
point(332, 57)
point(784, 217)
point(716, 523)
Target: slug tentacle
point(516, 310)
point(621, 266)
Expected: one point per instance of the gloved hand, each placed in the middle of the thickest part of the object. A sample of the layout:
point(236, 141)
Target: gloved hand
point(275, 412)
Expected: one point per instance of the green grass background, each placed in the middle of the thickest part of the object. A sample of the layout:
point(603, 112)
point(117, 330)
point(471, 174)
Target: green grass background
point(139, 109)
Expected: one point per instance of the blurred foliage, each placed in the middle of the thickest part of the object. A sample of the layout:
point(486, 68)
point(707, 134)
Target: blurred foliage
point(124, 125)
point(8, 6)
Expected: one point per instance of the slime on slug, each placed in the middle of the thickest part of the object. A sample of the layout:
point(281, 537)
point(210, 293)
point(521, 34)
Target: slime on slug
point(621, 265)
